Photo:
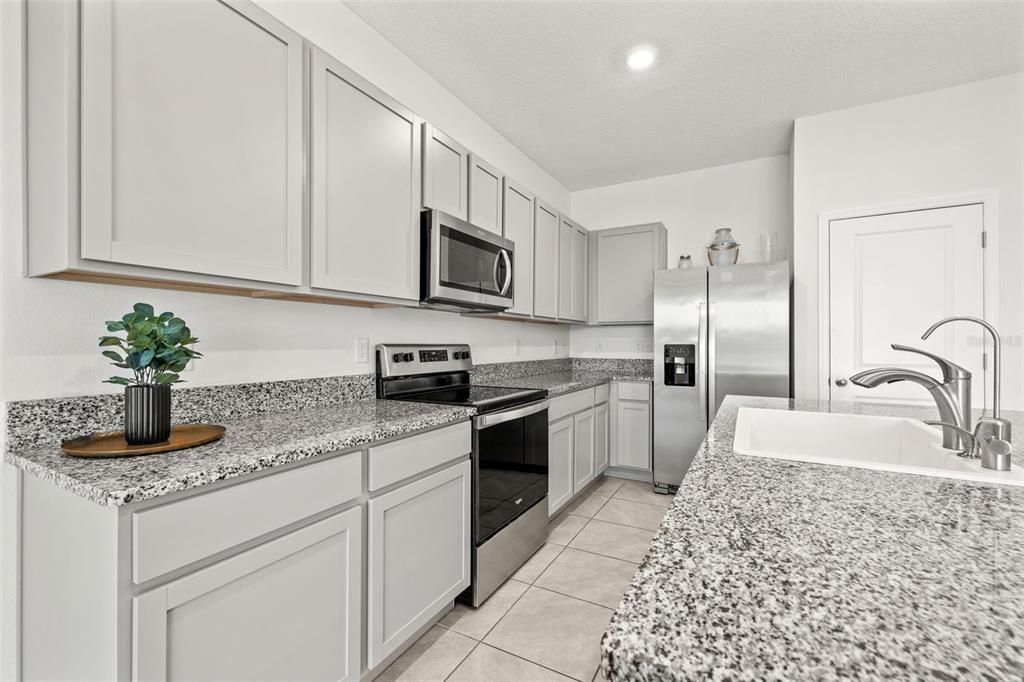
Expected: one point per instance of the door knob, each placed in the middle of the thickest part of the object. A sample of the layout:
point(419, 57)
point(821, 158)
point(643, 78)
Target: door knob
point(840, 382)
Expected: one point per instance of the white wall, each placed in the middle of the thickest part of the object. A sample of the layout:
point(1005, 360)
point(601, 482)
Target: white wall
point(955, 140)
point(753, 197)
point(50, 327)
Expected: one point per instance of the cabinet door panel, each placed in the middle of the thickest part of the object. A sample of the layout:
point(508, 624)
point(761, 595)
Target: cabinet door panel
point(365, 188)
point(518, 224)
point(633, 435)
point(485, 189)
point(623, 261)
point(418, 557)
point(191, 139)
point(545, 261)
point(445, 173)
point(579, 274)
point(289, 609)
point(583, 450)
point(560, 467)
point(600, 438)
point(565, 277)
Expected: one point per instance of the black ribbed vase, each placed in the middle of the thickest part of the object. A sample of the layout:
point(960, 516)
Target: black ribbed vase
point(147, 414)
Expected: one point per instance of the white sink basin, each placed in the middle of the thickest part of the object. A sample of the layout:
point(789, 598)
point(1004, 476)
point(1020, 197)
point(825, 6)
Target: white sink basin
point(867, 442)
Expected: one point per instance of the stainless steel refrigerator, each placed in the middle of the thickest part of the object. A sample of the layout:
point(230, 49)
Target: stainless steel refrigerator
point(717, 331)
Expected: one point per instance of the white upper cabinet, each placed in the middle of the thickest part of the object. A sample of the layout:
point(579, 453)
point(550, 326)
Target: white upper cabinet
point(572, 271)
point(518, 222)
point(545, 261)
point(191, 138)
point(445, 173)
point(485, 190)
point(366, 188)
point(622, 262)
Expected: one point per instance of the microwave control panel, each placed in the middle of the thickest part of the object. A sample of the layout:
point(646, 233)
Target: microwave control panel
point(680, 364)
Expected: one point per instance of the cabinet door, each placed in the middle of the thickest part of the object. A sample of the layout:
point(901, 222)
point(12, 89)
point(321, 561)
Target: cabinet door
point(445, 173)
point(518, 223)
point(560, 467)
point(600, 438)
point(286, 610)
point(485, 190)
point(419, 552)
point(622, 279)
point(579, 274)
point(191, 139)
point(365, 186)
point(583, 450)
point(632, 435)
point(545, 261)
point(565, 278)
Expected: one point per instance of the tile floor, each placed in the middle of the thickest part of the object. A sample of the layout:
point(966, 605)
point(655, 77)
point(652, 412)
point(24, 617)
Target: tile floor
point(546, 622)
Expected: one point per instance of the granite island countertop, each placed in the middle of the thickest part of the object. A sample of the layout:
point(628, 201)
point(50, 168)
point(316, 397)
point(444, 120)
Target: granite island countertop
point(562, 382)
point(251, 444)
point(767, 568)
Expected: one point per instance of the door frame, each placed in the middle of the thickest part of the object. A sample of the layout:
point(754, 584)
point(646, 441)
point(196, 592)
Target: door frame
point(989, 200)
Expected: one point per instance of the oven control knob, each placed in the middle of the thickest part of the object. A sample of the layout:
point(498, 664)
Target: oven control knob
point(408, 357)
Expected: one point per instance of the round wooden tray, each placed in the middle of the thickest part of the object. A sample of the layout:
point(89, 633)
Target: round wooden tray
point(113, 444)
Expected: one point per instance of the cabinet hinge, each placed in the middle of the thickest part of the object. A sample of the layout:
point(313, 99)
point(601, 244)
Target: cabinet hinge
point(984, 239)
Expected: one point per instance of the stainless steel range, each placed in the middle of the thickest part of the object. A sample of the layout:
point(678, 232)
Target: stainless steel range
point(510, 453)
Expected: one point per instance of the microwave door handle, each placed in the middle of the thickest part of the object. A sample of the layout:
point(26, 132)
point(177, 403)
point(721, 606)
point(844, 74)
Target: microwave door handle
point(494, 271)
point(508, 272)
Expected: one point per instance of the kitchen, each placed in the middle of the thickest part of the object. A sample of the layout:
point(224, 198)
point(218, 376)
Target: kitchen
point(322, 188)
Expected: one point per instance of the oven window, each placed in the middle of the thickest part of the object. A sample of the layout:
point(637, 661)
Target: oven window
point(512, 471)
point(471, 264)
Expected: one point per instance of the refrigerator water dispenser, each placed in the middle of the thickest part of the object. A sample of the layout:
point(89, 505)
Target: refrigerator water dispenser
point(680, 367)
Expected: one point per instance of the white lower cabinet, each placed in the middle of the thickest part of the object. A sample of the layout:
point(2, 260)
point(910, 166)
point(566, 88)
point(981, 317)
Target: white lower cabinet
point(601, 449)
point(560, 468)
point(288, 609)
point(583, 450)
point(632, 435)
point(419, 544)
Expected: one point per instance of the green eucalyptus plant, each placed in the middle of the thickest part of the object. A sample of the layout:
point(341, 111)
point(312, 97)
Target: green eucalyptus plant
point(155, 347)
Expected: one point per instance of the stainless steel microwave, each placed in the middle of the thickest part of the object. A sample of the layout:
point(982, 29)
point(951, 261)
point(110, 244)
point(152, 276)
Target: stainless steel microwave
point(463, 267)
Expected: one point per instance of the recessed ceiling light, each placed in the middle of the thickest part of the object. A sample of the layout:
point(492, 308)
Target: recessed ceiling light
point(641, 57)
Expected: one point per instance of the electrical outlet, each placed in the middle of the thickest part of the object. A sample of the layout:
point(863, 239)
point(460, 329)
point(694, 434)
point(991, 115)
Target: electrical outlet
point(362, 350)
point(517, 346)
point(554, 346)
point(644, 346)
point(598, 346)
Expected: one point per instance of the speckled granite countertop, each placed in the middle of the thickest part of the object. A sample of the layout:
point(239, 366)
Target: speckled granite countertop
point(773, 569)
point(558, 383)
point(250, 444)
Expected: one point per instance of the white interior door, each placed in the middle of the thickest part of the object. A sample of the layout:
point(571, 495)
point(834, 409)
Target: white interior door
point(891, 277)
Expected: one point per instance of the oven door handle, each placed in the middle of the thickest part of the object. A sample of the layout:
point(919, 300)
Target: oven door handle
point(486, 420)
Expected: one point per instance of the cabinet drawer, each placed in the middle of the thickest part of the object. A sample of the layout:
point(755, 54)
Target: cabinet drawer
point(177, 534)
point(601, 394)
point(570, 403)
point(634, 390)
point(401, 459)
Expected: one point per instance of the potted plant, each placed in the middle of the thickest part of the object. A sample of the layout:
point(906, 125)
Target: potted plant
point(155, 348)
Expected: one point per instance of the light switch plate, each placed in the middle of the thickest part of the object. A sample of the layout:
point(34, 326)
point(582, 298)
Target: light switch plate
point(362, 350)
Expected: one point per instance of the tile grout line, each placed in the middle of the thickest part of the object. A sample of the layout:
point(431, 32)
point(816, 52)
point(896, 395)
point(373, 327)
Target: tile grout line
point(476, 643)
point(539, 665)
point(569, 596)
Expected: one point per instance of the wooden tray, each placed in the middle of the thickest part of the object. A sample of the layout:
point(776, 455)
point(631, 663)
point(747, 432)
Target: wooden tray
point(113, 444)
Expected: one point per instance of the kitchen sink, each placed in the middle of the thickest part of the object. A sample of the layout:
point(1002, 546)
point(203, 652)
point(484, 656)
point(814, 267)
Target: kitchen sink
point(895, 444)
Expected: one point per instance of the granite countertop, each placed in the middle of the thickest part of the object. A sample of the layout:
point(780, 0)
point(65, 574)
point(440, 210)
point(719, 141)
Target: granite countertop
point(559, 383)
point(767, 568)
point(250, 444)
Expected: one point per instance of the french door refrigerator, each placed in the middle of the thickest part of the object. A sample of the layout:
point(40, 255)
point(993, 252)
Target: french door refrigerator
point(717, 331)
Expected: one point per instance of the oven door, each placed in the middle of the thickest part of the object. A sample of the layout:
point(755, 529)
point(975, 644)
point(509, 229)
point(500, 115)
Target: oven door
point(510, 466)
point(465, 265)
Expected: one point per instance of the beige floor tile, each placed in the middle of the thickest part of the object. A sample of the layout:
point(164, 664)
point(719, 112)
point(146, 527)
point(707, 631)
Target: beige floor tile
point(613, 540)
point(494, 665)
point(433, 657)
point(633, 514)
point(477, 622)
point(608, 486)
point(637, 491)
point(587, 505)
point(536, 564)
point(563, 528)
point(556, 631)
point(591, 577)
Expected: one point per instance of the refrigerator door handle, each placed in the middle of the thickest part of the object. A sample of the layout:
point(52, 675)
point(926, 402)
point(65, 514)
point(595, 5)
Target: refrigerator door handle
point(712, 389)
point(702, 389)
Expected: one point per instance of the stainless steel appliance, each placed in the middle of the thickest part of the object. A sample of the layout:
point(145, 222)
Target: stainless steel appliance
point(717, 331)
point(510, 453)
point(462, 266)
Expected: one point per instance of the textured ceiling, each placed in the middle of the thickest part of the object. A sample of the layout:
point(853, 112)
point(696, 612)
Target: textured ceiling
point(730, 78)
